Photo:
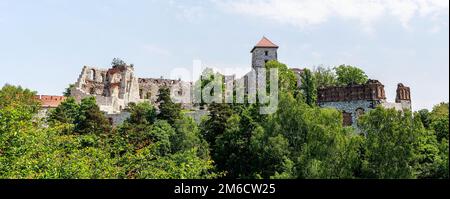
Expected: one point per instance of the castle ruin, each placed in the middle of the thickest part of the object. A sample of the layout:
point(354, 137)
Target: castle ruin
point(355, 100)
point(116, 87)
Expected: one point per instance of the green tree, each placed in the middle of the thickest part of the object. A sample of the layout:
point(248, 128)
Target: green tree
point(187, 136)
point(16, 97)
point(116, 62)
point(168, 110)
point(229, 149)
point(389, 148)
point(324, 77)
point(440, 121)
point(347, 75)
point(424, 115)
point(287, 81)
point(182, 165)
point(308, 87)
point(215, 125)
point(141, 113)
point(67, 92)
point(427, 159)
point(67, 112)
point(90, 118)
point(319, 146)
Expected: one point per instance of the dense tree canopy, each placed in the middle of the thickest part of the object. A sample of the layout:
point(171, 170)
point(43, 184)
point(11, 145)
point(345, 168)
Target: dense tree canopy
point(309, 87)
point(324, 77)
point(347, 75)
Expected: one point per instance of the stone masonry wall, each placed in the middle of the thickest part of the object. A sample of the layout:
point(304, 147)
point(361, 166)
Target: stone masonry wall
point(259, 56)
point(354, 107)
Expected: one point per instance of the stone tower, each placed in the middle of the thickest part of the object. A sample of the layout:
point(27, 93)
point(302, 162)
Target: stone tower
point(403, 96)
point(263, 52)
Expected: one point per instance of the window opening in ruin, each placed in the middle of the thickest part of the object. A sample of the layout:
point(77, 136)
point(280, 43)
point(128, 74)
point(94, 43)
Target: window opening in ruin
point(92, 91)
point(347, 118)
point(266, 53)
point(92, 75)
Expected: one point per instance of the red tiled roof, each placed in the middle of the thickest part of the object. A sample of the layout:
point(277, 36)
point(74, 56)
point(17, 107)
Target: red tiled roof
point(49, 101)
point(265, 43)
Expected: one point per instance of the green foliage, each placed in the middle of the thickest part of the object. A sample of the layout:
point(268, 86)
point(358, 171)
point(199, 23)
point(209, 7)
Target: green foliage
point(90, 118)
point(182, 165)
point(141, 113)
point(324, 77)
point(67, 112)
point(187, 136)
point(67, 92)
point(427, 156)
point(209, 81)
point(287, 81)
point(424, 115)
point(389, 148)
point(348, 75)
point(319, 146)
point(118, 62)
point(440, 121)
point(215, 124)
point(169, 110)
point(16, 97)
point(85, 117)
point(308, 87)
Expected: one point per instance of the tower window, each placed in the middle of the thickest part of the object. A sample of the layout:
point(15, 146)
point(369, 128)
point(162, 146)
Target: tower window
point(266, 53)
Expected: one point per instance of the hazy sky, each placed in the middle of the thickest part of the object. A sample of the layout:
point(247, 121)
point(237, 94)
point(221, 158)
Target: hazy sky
point(45, 43)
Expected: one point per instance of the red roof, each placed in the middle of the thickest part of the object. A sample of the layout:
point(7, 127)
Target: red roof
point(265, 43)
point(49, 101)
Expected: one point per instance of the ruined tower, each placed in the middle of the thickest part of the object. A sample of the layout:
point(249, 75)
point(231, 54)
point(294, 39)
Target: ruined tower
point(263, 52)
point(403, 96)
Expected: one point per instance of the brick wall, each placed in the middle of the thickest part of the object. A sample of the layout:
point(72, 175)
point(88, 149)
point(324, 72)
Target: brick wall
point(49, 101)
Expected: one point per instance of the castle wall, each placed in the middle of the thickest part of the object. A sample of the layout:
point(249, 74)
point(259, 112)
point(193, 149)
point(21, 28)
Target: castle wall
point(373, 90)
point(49, 101)
point(113, 88)
point(116, 87)
point(354, 100)
point(354, 108)
point(117, 118)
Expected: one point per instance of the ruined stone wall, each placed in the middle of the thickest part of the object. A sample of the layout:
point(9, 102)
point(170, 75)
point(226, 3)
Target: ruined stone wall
point(116, 87)
point(180, 91)
point(113, 88)
point(117, 118)
point(355, 100)
point(353, 108)
point(373, 90)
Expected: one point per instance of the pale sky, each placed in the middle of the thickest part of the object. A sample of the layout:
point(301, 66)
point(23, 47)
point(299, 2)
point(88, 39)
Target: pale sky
point(45, 43)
